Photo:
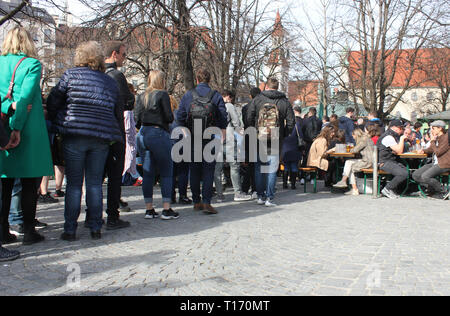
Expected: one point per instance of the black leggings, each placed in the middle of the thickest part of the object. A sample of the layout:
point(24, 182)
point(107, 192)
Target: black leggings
point(28, 200)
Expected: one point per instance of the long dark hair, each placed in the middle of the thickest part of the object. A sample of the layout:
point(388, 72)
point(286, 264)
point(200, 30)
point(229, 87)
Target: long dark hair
point(327, 133)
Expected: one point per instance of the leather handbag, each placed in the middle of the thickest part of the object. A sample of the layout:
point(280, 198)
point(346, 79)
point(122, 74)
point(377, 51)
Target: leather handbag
point(300, 142)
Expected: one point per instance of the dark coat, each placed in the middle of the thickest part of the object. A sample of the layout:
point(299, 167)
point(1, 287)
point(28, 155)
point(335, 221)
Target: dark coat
point(291, 152)
point(307, 128)
point(83, 104)
point(221, 115)
point(126, 98)
point(286, 118)
point(348, 126)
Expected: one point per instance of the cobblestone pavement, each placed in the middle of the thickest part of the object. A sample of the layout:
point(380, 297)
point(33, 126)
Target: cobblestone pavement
point(311, 244)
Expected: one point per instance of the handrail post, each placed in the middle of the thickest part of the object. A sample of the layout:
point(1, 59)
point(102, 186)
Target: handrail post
point(375, 174)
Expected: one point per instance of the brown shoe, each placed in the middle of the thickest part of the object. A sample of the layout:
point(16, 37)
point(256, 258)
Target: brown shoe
point(209, 209)
point(199, 207)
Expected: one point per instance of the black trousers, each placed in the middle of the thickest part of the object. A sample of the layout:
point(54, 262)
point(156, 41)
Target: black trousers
point(29, 198)
point(248, 178)
point(113, 170)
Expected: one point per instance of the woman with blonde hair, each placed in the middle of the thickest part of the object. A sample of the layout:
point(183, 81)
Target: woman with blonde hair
point(153, 112)
point(365, 147)
point(81, 108)
point(28, 157)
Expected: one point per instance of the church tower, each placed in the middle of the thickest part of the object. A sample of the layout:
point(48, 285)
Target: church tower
point(278, 64)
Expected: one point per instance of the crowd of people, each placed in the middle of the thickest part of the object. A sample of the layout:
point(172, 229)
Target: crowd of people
point(95, 126)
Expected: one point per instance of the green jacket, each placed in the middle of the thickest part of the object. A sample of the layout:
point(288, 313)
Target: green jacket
point(32, 158)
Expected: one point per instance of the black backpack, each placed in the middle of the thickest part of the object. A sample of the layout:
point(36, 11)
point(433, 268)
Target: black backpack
point(202, 109)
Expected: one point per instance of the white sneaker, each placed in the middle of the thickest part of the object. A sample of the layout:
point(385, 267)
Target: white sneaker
point(261, 202)
point(340, 184)
point(352, 192)
point(254, 196)
point(241, 197)
point(270, 203)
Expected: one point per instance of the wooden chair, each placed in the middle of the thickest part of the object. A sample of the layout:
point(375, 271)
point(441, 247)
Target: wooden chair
point(310, 170)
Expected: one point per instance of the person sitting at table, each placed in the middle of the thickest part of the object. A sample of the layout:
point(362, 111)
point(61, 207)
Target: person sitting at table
point(365, 147)
point(319, 151)
point(374, 131)
point(410, 139)
point(439, 147)
point(390, 145)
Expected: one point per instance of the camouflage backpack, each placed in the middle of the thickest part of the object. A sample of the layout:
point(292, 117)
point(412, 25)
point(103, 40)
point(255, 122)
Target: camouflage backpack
point(268, 122)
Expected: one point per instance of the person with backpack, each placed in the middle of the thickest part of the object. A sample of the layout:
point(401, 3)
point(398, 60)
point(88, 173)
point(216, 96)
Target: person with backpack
point(154, 113)
point(206, 106)
point(269, 111)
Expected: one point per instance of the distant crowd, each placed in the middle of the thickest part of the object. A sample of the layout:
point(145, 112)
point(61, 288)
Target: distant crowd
point(93, 126)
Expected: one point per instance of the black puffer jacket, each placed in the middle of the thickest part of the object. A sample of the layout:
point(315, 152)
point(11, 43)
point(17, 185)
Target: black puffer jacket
point(83, 103)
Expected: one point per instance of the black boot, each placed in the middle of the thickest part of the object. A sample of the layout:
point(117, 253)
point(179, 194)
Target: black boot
point(293, 180)
point(30, 235)
point(285, 179)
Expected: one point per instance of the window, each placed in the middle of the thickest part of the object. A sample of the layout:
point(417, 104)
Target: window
point(430, 96)
point(47, 35)
point(387, 102)
point(414, 97)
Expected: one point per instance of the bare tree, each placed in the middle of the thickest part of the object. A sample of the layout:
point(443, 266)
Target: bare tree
point(318, 36)
point(381, 31)
point(238, 36)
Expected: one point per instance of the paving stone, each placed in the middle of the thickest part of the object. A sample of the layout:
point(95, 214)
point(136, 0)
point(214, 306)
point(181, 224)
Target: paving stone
point(311, 244)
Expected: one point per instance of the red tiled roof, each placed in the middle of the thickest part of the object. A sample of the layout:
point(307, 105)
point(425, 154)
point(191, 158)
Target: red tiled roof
point(429, 62)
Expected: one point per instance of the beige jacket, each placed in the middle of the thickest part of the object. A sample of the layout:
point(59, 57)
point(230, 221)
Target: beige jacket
point(315, 157)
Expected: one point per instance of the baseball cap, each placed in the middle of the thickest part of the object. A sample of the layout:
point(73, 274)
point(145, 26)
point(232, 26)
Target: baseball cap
point(397, 123)
point(438, 123)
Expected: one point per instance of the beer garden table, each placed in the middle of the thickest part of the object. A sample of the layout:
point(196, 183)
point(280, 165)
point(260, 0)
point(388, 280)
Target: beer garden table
point(338, 157)
point(407, 157)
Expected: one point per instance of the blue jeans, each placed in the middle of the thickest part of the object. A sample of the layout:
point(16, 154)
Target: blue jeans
point(156, 150)
point(291, 166)
point(266, 182)
point(85, 157)
point(16, 212)
point(202, 172)
point(181, 172)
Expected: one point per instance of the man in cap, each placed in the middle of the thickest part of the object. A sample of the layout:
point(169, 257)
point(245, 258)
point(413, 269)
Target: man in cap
point(439, 147)
point(390, 145)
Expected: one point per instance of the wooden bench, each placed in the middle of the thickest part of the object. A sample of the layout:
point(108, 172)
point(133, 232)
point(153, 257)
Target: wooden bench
point(310, 170)
point(367, 172)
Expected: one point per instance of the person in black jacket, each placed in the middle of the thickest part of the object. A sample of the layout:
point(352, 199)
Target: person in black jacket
point(346, 123)
point(266, 182)
point(154, 113)
point(311, 128)
point(115, 53)
point(5, 254)
point(248, 168)
point(81, 108)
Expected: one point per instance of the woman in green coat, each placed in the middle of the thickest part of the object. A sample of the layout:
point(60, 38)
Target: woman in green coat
point(28, 156)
